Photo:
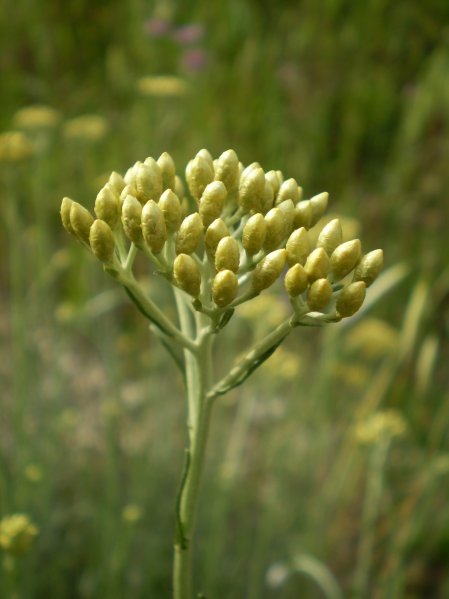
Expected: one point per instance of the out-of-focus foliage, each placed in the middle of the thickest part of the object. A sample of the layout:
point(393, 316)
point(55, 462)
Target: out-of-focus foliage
point(344, 96)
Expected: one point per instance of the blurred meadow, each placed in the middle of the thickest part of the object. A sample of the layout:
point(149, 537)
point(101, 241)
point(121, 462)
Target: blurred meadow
point(328, 472)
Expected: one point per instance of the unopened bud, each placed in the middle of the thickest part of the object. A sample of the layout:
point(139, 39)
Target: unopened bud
point(317, 264)
point(179, 188)
point(187, 274)
point(330, 237)
point(288, 212)
point(303, 215)
point(319, 294)
point(298, 247)
point(130, 175)
point(107, 205)
point(246, 171)
point(148, 181)
point(66, 205)
point(296, 280)
point(227, 170)
point(199, 173)
point(171, 209)
point(289, 190)
point(117, 182)
point(253, 235)
point(128, 190)
point(207, 156)
point(81, 221)
point(214, 233)
point(168, 170)
point(153, 226)
point(101, 241)
point(369, 267)
point(251, 190)
point(351, 298)
point(227, 255)
point(212, 202)
point(132, 218)
point(224, 288)
point(267, 198)
point(273, 179)
point(275, 228)
point(344, 258)
point(268, 270)
point(319, 205)
point(189, 234)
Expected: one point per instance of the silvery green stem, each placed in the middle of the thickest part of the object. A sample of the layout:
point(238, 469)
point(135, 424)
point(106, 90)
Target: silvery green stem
point(198, 372)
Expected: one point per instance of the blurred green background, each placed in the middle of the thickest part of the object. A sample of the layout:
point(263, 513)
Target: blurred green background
point(332, 463)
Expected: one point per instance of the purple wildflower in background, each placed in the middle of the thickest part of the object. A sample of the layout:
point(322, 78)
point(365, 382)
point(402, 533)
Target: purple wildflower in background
point(189, 34)
point(157, 27)
point(195, 60)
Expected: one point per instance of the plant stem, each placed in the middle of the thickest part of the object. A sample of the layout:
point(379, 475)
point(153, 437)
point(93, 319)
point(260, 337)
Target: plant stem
point(198, 366)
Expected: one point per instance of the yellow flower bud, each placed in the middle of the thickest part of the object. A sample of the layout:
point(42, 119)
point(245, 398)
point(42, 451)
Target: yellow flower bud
point(207, 156)
point(303, 215)
point(214, 233)
point(128, 190)
point(81, 221)
point(224, 288)
point(132, 218)
point(66, 205)
point(130, 175)
point(344, 258)
point(117, 182)
point(275, 228)
point(319, 294)
point(319, 205)
point(148, 181)
point(101, 241)
point(107, 205)
point(227, 170)
point(227, 255)
point(288, 212)
point(317, 264)
point(295, 280)
point(330, 237)
point(199, 173)
point(189, 234)
point(171, 209)
point(187, 274)
point(351, 298)
point(168, 170)
point(267, 198)
point(252, 189)
point(153, 226)
point(289, 190)
point(212, 202)
point(179, 188)
point(273, 179)
point(369, 267)
point(298, 247)
point(253, 235)
point(268, 270)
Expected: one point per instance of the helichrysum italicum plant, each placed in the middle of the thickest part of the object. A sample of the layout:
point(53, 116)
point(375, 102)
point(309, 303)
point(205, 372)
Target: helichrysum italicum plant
point(17, 533)
point(236, 233)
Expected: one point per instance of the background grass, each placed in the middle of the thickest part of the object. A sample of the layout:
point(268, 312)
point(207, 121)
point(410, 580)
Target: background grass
point(344, 96)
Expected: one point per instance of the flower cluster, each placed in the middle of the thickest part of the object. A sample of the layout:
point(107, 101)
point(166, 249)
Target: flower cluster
point(17, 533)
point(239, 231)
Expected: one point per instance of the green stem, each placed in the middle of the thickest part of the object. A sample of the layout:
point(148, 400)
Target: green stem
point(198, 368)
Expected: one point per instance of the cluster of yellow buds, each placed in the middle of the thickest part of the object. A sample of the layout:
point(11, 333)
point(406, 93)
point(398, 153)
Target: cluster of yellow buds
point(239, 230)
point(17, 533)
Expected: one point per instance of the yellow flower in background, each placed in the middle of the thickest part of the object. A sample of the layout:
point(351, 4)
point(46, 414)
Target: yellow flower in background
point(33, 473)
point(88, 127)
point(385, 424)
point(36, 117)
point(163, 85)
point(264, 310)
point(14, 146)
point(132, 513)
point(283, 366)
point(372, 337)
point(17, 533)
